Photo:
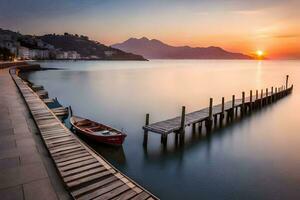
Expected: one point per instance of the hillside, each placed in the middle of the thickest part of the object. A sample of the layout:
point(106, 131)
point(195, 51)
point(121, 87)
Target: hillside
point(86, 47)
point(155, 49)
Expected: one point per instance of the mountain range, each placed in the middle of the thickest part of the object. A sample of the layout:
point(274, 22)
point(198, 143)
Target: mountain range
point(155, 49)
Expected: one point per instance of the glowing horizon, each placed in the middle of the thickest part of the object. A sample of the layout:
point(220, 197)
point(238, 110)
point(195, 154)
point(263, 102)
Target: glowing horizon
point(233, 25)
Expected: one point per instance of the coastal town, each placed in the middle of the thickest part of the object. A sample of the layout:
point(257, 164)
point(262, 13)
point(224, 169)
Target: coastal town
point(15, 46)
point(39, 51)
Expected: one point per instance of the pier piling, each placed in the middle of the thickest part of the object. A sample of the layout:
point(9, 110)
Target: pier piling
point(251, 101)
point(145, 142)
point(208, 121)
point(182, 122)
point(256, 98)
point(233, 105)
point(272, 94)
point(267, 96)
point(243, 104)
point(222, 111)
point(261, 98)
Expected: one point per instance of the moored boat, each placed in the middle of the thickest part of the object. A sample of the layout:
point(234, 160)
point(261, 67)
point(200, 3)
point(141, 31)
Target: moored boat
point(97, 132)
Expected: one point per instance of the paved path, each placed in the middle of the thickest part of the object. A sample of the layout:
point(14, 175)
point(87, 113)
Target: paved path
point(26, 170)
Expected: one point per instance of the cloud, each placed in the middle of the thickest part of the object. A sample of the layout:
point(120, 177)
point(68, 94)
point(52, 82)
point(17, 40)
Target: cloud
point(287, 36)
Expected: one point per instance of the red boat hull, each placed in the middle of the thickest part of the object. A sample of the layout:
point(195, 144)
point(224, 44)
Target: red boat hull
point(111, 140)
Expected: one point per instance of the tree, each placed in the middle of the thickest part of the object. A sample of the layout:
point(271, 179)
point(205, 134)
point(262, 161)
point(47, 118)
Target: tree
point(5, 54)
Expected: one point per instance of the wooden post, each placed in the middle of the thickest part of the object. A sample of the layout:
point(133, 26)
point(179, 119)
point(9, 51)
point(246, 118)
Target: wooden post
point(209, 120)
point(261, 97)
point(287, 81)
point(256, 98)
point(210, 107)
point(280, 91)
point(176, 139)
point(200, 127)
point(215, 119)
point(164, 139)
point(146, 131)
point(233, 105)
point(256, 95)
point(194, 128)
point(267, 95)
point(222, 111)
point(272, 94)
point(182, 123)
point(251, 104)
point(243, 104)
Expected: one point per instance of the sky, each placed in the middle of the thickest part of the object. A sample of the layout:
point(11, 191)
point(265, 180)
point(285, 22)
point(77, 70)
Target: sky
point(235, 25)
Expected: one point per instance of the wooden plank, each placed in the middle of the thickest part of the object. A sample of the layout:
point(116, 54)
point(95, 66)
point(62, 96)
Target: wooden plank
point(69, 154)
point(71, 157)
point(57, 136)
point(113, 193)
point(62, 164)
point(56, 145)
point(79, 164)
point(103, 190)
point(64, 148)
point(94, 186)
point(87, 179)
point(84, 174)
point(80, 149)
point(62, 144)
point(141, 196)
point(81, 169)
point(126, 195)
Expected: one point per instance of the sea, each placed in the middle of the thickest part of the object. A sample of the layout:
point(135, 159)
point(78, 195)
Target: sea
point(256, 157)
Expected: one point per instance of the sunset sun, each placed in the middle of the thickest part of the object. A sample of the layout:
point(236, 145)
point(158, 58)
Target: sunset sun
point(259, 54)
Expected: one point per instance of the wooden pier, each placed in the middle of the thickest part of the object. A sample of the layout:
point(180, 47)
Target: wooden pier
point(215, 114)
point(85, 173)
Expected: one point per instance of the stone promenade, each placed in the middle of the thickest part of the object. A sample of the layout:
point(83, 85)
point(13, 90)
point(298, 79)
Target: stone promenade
point(26, 171)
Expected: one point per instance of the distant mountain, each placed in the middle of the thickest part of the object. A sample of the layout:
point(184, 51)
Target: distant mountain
point(155, 49)
point(86, 48)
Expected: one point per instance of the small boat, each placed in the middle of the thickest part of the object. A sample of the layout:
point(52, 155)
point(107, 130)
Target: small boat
point(97, 132)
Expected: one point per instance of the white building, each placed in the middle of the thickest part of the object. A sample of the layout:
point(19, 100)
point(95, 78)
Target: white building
point(73, 55)
point(109, 53)
point(38, 54)
point(94, 57)
point(68, 55)
point(23, 53)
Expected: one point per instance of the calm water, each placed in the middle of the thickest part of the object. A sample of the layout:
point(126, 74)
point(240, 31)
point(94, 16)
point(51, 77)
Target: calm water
point(256, 158)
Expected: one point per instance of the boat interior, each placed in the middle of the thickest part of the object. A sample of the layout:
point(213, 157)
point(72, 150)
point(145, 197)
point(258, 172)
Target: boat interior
point(95, 128)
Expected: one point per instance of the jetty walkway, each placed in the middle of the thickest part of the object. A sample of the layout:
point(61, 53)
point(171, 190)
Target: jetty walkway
point(85, 174)
point(215, 114)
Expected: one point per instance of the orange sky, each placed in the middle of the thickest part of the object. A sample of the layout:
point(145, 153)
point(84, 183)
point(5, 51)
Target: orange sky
point(235, 25)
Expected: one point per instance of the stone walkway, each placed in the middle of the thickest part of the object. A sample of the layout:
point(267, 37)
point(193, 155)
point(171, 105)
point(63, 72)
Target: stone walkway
point(26, 171)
